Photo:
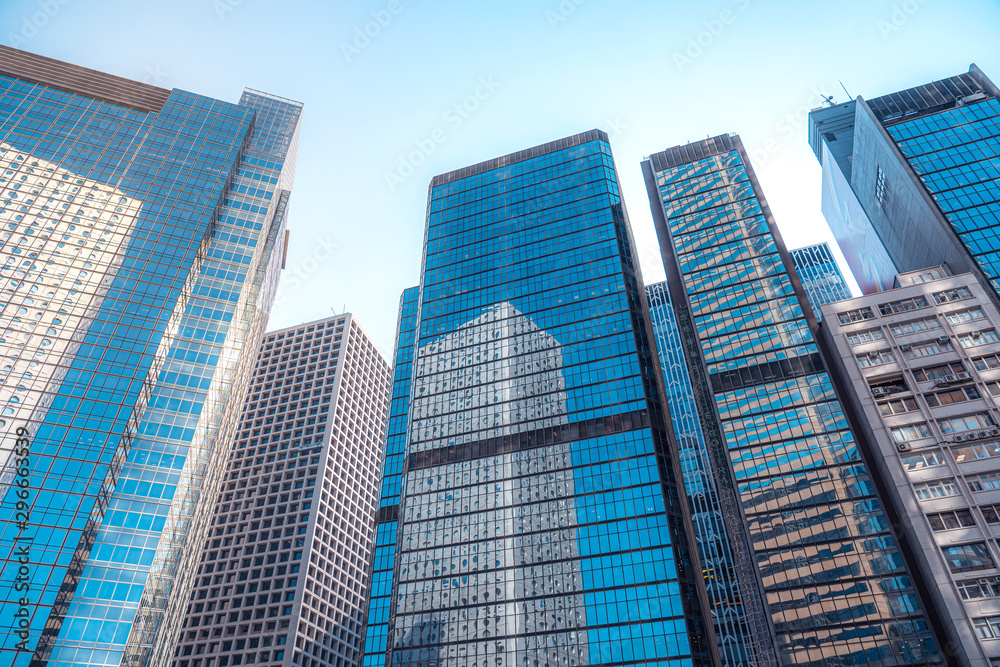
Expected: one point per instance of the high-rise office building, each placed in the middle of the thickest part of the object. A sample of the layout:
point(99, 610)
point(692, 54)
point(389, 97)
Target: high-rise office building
point(800, 505)
point(726, 607)
point(282, 578)
point(387, 517)
point(924, 166)
point(540, 517)
point(922, 360)
point(820, 276)
point(143, 231)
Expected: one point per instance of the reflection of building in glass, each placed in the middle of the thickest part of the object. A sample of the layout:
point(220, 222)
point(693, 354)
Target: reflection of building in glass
point(820, 276)
point(922, 360)
point(717, 562)
point(801, 508)
point(539, 518)
point(922, 166)
point(142, 239)
point(496, 375)
point(283, 574)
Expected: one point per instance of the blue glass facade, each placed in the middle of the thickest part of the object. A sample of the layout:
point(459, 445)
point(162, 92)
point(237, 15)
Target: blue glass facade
point(142, 238)
point(714, 549)
point(540, 518)
point(820, 276)
point(386, 523)
point(835, 583)
point(956, 155)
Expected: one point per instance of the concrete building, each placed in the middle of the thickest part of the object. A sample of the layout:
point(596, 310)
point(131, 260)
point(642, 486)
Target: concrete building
point(283, 576)
point(923, 172)
point(923, 361)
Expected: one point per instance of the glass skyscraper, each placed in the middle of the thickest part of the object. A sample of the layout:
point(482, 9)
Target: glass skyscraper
point(924, 164)
point(836, 584)
point(820, 276)
point(540, 515)
point(386, 519)
point(142, 237)
point(726, 605)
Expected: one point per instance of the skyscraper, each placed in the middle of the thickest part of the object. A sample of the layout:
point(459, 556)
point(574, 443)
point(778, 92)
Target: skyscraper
point(283, 574)
point(733, 632)
point(143, 233)
point(540, 512)
point(924, 165)
point(820, 276)
point(797, 496)
point(387, 517)
point(922, 361)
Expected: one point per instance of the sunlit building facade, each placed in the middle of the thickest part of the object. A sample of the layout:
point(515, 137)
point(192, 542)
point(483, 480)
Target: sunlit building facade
point(923, 165)
point(143, 234)
point(283, 576)
point(802, 511)
point(540, 515)
point(732, 631)
point(923, 362)
point(820, 276)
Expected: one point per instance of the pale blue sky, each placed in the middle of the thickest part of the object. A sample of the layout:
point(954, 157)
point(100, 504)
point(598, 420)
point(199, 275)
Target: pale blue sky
point(542, 70)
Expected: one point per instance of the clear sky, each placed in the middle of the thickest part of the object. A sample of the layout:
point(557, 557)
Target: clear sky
point(380, 117)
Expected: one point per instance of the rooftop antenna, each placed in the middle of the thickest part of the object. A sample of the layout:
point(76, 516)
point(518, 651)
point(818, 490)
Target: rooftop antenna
point(828, 100)
point(845, 89)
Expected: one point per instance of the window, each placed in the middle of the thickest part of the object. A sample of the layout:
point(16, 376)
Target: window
point(983, 450)
point(903, 305)
point(910, 432)
point(858, 315)
point(915, 326)
point(879, 185)
point(987, 628)
point(993, 388)
point(988, 481)
point(982, 337)
point(991, 513)
point(988, 363)
point(932, 373)
point(967, 315)
point(920, 460)
point(927, 348)
point(939, 488)
point(876, 358)
point(966, 423)
point(951, 520)
point(957, 294)
point(897, 406)
point(868, 336)
point(977, 590)
point(927, 276)
point(953, 396)
point(966, 557)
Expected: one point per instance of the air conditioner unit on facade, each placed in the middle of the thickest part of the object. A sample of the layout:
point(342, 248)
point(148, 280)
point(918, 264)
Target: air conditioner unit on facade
point(964, 375)
point(943, 339)
point(905, 347)
point(945, 379)
point(903, 446)
point(873, 354)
